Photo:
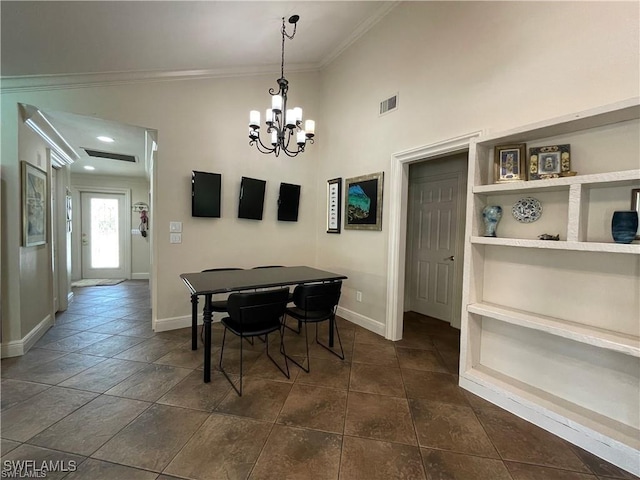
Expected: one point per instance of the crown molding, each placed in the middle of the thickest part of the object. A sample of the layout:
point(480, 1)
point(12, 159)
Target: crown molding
point(85, 80)
point(359, 31)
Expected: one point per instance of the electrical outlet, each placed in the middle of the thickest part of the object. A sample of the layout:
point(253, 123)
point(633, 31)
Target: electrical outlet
point(175, 227)
point(175, 238)
point(358, 296)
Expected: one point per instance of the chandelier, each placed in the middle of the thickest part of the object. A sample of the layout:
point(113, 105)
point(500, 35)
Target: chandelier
point(284, 126)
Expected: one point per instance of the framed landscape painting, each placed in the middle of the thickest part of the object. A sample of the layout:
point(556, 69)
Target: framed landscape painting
point(34, 205)
point(363, 202)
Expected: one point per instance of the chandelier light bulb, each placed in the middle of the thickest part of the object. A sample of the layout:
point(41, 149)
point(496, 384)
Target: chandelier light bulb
point(254, 119)
point(276, 103)
point(291, 120)
point(297, 114)
point(310, 128)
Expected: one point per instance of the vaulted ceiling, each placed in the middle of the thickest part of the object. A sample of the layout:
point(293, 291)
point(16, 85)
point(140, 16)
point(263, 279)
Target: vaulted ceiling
point(64, 42)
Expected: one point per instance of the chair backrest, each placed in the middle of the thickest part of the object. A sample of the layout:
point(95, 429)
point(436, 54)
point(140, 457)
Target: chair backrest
point(221, 269)
point(255, 310)
point(317, 296)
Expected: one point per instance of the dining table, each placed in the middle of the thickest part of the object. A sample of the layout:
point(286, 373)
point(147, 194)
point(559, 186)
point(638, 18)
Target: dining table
point(207, 284)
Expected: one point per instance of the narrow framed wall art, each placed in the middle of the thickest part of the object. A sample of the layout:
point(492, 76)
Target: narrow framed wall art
point(334, 207)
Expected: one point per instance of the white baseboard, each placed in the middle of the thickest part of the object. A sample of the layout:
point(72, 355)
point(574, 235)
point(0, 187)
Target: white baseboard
point(611, 450)
point(361, 320)
point(140, 276)
point(165, 324)
point(16, 348)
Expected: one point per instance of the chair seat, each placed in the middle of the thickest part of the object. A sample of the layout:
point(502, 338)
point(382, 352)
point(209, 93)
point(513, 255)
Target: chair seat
point(256, 329)
point(309, 315)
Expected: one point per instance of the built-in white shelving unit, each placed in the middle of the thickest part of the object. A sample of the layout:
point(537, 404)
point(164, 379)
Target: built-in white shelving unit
point(551, 329)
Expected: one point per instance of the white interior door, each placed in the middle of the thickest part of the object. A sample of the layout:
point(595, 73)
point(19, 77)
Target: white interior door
point(433, 245)
point(103, 235)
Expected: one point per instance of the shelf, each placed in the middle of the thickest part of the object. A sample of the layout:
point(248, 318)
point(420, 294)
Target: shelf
point(632, 248)
point(554, 407)
point(596, 337)
point(623, 178)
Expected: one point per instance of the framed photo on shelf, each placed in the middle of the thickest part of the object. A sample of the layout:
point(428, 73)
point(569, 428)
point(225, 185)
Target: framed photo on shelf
point(334, 205)
point(34, 205)
point(635, 205)
point(363, 202)
point(552, 161)
point(509, 163)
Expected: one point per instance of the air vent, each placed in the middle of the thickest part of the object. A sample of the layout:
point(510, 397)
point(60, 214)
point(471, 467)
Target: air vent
point(389, 104)
point(111, 156)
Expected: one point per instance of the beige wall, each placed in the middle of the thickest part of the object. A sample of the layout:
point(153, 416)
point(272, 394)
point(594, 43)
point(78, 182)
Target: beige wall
point(202, 125)
point(36, 292)
point(140, 246)
point(458, 68)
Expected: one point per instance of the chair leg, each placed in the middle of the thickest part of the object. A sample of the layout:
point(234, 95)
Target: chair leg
point(341, 355)
point(239, 392)
point(282, 350)
point(306, 341)
point(293, 329)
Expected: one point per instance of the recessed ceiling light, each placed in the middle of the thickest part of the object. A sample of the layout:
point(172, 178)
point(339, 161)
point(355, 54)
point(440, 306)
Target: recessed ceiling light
point(106, 139)
point(89, 167)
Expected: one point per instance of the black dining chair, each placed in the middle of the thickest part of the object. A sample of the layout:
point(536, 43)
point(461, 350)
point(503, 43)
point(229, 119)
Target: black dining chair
point(219, 306)
point(274, 266)
point(255, 314)
point(315, 303)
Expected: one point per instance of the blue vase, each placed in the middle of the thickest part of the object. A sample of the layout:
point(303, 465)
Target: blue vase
point(491, 215)
point(624, 226)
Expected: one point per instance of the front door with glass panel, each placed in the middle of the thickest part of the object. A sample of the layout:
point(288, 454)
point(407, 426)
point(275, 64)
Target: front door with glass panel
point(102, 235)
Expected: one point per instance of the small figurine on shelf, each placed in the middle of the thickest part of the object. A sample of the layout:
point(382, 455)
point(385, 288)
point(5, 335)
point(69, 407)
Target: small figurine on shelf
point(546, 236)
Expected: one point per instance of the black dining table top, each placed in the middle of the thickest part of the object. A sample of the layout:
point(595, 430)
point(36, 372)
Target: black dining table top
point(204, 283)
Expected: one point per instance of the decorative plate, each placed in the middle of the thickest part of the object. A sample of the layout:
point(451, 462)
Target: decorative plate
point(527, 210)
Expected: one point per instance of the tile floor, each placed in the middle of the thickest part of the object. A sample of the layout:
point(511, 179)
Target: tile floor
point(102, 389)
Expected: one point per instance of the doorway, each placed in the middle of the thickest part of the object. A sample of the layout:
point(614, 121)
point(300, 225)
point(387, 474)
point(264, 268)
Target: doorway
point(104, 249)
point(397, 188)
point(434, 237)
point(102, 235)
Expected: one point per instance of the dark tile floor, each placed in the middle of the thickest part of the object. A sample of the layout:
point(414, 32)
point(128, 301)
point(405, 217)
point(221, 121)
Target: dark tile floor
point(102, 389)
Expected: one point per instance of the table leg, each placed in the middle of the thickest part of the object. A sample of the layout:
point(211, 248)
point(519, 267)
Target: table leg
point(194, 322)
point(207, 338)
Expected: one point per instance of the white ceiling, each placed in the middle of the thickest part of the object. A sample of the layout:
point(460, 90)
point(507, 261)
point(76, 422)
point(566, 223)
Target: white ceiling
point(91, 38)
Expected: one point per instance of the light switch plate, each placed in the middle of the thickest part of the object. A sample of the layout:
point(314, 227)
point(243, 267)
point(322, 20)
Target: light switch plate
point(175, 227)
point(175, 238)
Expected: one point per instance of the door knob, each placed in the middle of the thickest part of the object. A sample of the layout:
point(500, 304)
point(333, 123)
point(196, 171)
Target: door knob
point(452, 258)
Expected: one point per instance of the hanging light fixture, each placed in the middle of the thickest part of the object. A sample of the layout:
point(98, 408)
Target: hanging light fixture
point(284, 126)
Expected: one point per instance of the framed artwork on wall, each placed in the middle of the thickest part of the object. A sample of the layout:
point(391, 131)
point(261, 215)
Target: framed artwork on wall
point(509, 163)
point(34, 205)
point(334, 204)
point(363, 202)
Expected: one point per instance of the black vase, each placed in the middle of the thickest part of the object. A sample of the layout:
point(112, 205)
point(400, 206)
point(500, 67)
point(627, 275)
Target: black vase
point(624, 226)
